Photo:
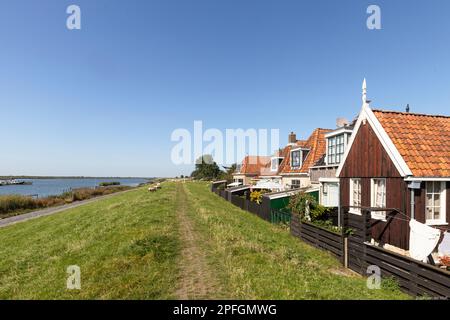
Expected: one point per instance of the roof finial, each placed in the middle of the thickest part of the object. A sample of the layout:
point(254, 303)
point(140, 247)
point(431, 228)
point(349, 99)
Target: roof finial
point(364, 92)
point(407, 107)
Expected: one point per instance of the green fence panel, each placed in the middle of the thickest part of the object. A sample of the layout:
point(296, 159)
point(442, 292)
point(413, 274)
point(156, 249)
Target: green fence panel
point(280, 216)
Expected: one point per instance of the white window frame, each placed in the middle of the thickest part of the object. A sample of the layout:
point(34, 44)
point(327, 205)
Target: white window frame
point(300, 157)
point(377, 215)
point(272, 168)
point(325, 194)
point(355, 210)
point(299, 184)
point(303, 154)
point(334, 146)
point(443, 204)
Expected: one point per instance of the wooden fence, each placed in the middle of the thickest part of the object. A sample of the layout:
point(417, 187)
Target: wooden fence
point(280, 216)
point(413, 276)
point(258, 209)
point(317, 236)
point(355, 252)
point(238, 201)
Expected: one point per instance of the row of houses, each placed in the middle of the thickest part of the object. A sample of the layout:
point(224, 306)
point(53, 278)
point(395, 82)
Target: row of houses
point(395, 164)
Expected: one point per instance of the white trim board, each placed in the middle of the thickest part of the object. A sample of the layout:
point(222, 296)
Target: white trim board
point(427, 179)
point(338, 132)
point(331, 180)
point(367, 115)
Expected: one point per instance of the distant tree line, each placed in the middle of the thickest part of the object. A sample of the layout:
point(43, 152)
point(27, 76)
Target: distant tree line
point(207, 169)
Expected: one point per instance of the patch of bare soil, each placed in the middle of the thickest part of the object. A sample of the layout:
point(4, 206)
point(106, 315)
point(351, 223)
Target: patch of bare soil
point(197, 280)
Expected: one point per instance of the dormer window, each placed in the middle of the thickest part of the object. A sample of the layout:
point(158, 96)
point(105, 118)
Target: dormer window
point(337, 141)
point(336, 147)
point(298, 156)
point(275, 163)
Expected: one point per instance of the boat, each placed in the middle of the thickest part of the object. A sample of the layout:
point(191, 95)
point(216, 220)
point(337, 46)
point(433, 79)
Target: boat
point(13, 182)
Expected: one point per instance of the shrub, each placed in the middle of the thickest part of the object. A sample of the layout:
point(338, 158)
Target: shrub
point(300, 201)
point(328, 224)
point(256, 196)
point(17, 203)
point(107, 184)
point(319, 212)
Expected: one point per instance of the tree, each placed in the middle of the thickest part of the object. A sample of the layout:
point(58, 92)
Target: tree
point(228, 174)
point(206, 168)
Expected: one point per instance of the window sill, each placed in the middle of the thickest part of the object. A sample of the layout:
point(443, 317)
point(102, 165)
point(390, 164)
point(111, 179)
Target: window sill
point(354, 212)
point(436, 223)
point(378, 219)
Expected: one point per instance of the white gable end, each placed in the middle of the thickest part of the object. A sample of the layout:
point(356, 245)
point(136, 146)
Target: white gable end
point(366, 115)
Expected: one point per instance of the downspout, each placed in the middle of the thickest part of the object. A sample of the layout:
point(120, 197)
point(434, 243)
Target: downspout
point(412, 204)
point(339, 203)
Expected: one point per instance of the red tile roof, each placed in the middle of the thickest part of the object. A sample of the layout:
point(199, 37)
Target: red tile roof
point(422, 140)
point(282, 153)
point(252, 165)
point(316, 144)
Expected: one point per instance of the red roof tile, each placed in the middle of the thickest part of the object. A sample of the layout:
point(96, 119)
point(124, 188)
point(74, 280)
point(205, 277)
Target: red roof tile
point(252, 165)
point(422, 140)
point(316, 144)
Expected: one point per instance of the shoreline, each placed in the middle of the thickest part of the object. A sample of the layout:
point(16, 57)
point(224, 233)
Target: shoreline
point(33, 214)
point(70, 177)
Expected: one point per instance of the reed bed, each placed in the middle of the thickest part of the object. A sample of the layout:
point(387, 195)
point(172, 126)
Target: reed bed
point(16, 204)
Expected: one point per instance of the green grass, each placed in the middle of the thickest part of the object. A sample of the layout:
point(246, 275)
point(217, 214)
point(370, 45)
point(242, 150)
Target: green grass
point(125, 246)
point(12, 205)
point(129, 247)
point(256, 260)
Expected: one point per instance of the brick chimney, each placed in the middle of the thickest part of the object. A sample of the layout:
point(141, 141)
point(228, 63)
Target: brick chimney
point(292, 137)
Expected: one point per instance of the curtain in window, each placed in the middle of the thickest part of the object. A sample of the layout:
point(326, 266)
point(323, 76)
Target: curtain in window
point(433, 205)
point(356, 195)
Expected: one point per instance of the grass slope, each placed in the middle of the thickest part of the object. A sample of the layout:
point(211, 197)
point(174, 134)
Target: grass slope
point(125, 246)
point(131, 246)
point(256, 260)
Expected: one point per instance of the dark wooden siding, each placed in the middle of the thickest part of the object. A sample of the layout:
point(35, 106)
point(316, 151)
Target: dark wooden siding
point(420, 202)
point(368, 159)
point(396, 232)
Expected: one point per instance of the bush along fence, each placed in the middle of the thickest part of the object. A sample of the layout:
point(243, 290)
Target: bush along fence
point(354, 250)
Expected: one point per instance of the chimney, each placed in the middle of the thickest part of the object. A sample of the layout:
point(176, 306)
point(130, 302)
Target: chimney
point(342, 122)
point(407, 107)
point(292, 137)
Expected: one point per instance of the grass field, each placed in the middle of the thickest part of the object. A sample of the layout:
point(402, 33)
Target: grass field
point(180, 242)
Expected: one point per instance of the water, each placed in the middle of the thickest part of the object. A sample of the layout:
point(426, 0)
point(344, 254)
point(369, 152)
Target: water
point(48, 187)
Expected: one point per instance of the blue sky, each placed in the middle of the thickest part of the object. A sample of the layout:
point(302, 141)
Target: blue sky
point(104, 100)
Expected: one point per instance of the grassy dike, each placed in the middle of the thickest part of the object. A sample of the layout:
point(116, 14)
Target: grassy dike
point(256, 260)
point(126, 247)
point(177, 242)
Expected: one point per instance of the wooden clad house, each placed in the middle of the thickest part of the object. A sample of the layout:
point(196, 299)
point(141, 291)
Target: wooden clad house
point(401, 161)
point(288, 166)
point(298, 157)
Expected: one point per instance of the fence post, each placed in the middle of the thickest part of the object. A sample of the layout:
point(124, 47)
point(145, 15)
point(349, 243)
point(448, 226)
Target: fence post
point(345, 251)
point(413, 272)
point(343, 221)
point(365, 221)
